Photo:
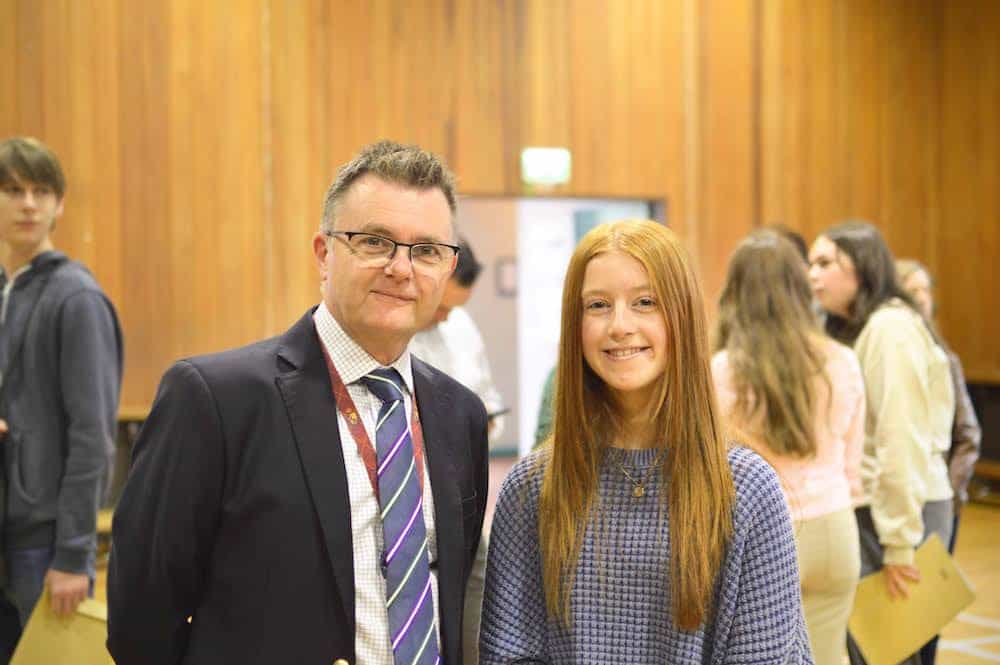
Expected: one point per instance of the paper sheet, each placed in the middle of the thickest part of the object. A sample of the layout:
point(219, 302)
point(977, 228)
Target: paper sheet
point(887, 630)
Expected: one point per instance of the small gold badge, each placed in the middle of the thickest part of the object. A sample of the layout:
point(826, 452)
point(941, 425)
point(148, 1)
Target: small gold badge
point(353, 417)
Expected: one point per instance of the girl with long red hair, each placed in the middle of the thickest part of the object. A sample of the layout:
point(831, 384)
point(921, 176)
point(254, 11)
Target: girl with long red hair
point(635, 535)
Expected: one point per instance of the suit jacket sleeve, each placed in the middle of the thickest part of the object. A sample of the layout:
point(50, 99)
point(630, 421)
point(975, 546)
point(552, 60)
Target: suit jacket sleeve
point(165, 523)
point(893, 361)
point(481, 461)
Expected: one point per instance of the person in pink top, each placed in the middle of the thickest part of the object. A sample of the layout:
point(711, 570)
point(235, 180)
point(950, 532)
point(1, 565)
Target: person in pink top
point(797, 398)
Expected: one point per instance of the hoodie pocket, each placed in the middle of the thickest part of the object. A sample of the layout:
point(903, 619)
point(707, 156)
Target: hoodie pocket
point(16, 477)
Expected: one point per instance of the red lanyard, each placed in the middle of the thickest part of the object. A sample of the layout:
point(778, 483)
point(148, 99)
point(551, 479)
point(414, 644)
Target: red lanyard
point(350, 412)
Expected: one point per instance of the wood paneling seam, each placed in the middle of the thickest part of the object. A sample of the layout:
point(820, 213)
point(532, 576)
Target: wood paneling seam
point(692, 126)
point(267, 166)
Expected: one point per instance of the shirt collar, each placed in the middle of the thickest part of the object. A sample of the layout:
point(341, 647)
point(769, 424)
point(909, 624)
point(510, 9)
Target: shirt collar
point(352, 361)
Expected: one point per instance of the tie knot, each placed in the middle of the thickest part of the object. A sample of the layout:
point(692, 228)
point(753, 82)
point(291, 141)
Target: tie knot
point(385, 383)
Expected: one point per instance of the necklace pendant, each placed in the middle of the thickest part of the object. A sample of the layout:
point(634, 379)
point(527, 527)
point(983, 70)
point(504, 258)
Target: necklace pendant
point(638, 491)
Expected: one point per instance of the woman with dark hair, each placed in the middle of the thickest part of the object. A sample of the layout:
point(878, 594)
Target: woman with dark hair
point(796, 397)
point(906, 494)
point(634, 535)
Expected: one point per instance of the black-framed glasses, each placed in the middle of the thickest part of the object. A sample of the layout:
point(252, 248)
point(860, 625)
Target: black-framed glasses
point(379, 250)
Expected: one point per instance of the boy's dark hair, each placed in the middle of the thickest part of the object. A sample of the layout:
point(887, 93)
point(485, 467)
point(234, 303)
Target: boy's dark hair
point(468, 268)
point(28, 159)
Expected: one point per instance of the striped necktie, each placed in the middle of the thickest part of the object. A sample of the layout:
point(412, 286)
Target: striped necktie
point(407, 574)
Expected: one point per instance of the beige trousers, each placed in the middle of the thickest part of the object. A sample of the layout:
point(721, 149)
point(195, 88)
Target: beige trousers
point(829, 568)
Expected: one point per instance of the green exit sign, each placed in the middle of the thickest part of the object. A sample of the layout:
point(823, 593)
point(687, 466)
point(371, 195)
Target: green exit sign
point(546, 166)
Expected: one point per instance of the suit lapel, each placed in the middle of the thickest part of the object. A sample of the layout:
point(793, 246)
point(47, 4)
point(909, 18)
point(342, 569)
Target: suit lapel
point(440, 442)
point(312, 412)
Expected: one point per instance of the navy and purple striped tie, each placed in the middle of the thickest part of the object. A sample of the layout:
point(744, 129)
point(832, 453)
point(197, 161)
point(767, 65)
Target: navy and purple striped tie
point(405, 557)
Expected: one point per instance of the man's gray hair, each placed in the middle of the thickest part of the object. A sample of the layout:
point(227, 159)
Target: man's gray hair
point(406, 165)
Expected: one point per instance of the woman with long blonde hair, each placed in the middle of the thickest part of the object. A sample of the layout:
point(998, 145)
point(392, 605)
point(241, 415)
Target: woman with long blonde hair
point(634, 535)
point(797, 397)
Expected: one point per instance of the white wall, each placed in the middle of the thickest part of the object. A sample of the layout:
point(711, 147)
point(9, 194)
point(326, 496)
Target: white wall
point(534, 238)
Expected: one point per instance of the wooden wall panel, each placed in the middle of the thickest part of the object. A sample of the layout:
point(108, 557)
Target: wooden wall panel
point(485, 93)
point(546, 67)
point(146, 306)
point(28, 68)
point(601, 149)
point(96, 181)
point(9, 101)
point(909, 173)
point(860, 44)
point(726, 208)
point(624, 75)
point(298, 165)
point(155, 114)
point(876, 111)
point(214, 179)
point(59, 75)
point(199, 139)
point(968, 236)
point(342, 75)
point(191, 185)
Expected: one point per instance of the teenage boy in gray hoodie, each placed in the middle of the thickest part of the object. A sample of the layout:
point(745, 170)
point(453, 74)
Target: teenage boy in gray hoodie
point(60, 376)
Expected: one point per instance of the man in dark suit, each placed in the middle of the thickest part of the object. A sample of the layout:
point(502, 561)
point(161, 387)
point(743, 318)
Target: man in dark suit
point(317, 497)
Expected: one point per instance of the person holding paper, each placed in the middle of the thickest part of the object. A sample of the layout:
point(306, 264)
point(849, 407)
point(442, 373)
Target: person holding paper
point(61, 360)
point(906, 492)
point(637, 535)
point(797, 398)
point(316, 497)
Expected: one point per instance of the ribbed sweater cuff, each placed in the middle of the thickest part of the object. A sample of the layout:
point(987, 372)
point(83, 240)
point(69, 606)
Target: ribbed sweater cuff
point(897, 556)
point(71, 560)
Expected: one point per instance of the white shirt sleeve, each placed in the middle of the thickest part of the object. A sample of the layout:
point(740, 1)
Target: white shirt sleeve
point(456, 347)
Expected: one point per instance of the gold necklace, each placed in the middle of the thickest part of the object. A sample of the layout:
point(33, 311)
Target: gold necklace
point(639, 486)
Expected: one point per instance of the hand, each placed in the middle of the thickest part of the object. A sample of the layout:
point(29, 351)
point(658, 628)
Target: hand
point(896, 578)
point(66, 590)
point(3, 428)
